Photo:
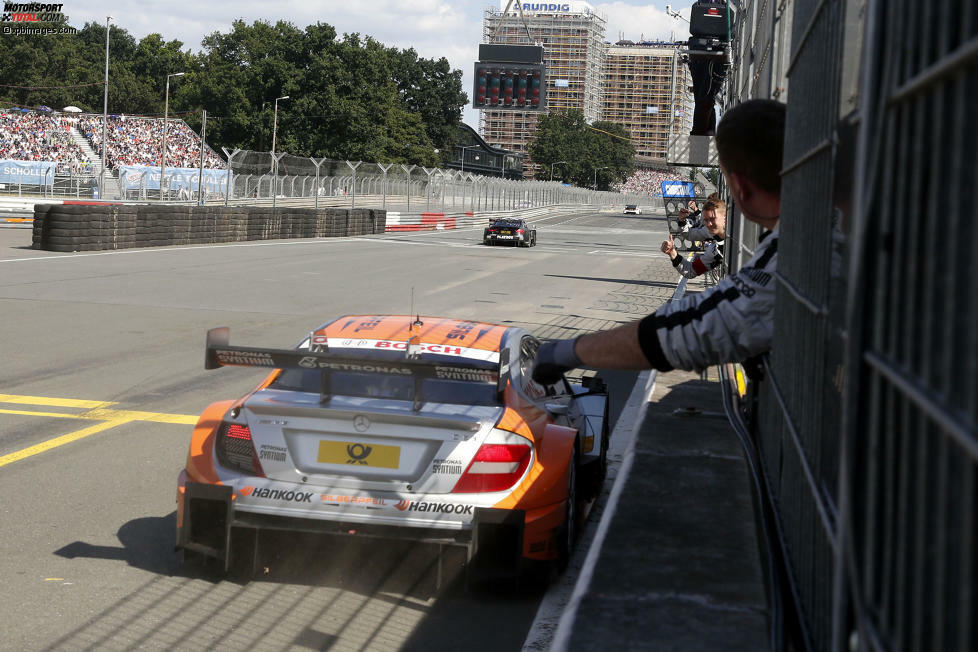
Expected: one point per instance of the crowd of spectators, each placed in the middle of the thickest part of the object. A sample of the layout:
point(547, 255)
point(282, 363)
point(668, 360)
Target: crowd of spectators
point(649, 182)
point(136, 141)
point(41, 137)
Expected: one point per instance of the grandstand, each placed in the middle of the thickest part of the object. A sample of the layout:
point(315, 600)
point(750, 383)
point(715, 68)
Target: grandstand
point(74, 143)
point(648, 182)
point(136, 141)
point(41, 137)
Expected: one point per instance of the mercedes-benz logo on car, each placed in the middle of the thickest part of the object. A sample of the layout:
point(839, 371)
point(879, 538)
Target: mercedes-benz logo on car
point(361, 423)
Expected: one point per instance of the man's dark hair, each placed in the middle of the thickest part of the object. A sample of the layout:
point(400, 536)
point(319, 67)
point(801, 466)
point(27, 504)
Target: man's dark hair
point(750, 142)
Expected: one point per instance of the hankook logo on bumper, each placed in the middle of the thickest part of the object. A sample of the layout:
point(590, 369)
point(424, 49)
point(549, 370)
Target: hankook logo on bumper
point(441, 508)
point(278, 494)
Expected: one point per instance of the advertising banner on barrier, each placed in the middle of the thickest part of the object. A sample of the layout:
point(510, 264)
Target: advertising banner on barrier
point(32, 173)
point(133, 176)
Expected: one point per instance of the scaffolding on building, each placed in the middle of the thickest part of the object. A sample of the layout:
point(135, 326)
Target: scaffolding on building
point(647, 92)
point(574, 55)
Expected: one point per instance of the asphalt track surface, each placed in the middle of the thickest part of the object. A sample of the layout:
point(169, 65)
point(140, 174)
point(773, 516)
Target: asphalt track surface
point(102, 375)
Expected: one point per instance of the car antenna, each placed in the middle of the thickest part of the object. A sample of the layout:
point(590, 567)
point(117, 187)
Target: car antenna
point(417, 319)
point(414, 340)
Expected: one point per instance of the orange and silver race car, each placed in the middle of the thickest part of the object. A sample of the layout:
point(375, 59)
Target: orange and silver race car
point(423, 428)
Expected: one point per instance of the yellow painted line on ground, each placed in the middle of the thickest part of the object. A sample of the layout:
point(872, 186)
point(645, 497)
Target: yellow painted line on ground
point(96, 412)
point(59, 441)
point(113, 415)
point(135, 415)
point(53, 402)
point(29, 413)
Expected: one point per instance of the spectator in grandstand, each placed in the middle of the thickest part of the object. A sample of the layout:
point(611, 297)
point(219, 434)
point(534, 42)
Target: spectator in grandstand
point(647, 182)
point(39, 137)
point(715, 219)
point(729, 322)
point(137, 141)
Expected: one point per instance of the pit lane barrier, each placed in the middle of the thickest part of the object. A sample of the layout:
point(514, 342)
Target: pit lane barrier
point(96, 226)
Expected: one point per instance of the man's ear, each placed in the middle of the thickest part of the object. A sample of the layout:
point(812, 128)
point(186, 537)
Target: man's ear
point(740, 187)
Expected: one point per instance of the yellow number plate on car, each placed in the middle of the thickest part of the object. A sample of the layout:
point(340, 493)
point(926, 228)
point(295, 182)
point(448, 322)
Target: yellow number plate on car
point(505, 232)
point(357, 454)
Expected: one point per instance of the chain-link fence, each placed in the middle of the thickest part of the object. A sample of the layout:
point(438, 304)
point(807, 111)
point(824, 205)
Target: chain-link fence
point(282, 177)
point(261, 177)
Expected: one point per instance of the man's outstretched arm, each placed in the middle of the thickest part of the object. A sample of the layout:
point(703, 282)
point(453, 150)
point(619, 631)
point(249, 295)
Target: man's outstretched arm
point(618, 348)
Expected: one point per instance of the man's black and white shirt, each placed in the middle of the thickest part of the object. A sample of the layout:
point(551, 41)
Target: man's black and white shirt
point(730, 322)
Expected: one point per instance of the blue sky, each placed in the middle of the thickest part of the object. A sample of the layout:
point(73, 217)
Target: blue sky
point(435, 28)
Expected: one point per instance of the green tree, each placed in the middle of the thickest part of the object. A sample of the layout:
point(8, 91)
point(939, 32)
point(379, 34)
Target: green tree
point(602, 150)
point(350, 97)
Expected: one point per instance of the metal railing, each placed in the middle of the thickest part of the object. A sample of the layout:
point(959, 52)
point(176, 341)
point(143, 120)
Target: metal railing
point(59, 185)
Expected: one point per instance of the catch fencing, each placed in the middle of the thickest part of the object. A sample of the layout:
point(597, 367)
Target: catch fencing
point(865, 415)
point(260, 177)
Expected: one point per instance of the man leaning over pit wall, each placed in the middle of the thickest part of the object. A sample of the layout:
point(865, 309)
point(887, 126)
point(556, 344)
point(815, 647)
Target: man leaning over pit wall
point(733, 320)
point(715, 219)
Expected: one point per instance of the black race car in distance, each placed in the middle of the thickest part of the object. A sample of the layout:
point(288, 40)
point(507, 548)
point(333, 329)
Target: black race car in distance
point(510, 231)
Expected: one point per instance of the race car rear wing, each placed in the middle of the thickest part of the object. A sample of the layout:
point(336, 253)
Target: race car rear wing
point(219, 353)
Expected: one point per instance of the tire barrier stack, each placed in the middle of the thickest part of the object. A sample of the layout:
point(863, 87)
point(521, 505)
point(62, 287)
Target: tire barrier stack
point(96, 227)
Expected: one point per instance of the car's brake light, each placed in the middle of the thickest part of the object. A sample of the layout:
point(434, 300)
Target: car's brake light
point(520, 231)
point(495, 467)
point(235, 449)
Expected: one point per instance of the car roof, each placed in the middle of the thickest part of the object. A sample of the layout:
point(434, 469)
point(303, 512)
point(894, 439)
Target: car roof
point(433, 330)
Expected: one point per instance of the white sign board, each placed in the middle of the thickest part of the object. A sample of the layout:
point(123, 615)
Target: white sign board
point(565, 7)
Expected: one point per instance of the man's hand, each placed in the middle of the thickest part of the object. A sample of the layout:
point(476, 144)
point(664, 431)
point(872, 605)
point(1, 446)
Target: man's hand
point(553, 360)
point(683, 214)
point(669, 247)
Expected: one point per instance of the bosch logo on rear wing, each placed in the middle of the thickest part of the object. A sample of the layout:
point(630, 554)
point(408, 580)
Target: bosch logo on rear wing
point(220, 353)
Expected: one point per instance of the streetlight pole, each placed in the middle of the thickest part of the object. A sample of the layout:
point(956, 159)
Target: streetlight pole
point(552, 168)
point(275, 124)
point(465, 147)
point(596, 175)
point(105, 109)
point(274, 161)
point(166, 110)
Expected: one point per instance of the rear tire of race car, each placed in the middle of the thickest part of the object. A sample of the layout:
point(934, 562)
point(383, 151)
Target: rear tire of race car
point(567, 533)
